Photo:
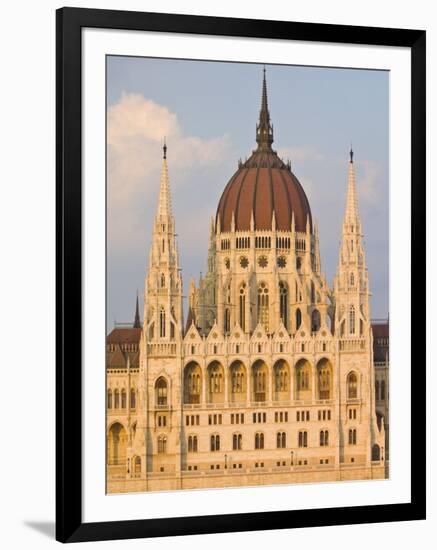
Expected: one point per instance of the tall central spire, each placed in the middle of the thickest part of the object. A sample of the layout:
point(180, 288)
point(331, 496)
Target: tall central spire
point(264, 130)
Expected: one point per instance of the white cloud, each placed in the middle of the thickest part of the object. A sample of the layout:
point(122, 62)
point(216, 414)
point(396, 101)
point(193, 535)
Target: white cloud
point(136, 127)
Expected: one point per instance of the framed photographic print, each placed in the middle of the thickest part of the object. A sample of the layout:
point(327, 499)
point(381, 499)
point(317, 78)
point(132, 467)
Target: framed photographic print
point(240, 258)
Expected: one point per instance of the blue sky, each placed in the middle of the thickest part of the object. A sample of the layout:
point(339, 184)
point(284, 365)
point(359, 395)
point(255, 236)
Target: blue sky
point(208, 111)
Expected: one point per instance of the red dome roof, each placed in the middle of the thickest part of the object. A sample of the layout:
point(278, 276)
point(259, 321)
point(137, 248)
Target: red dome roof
point(264, 185)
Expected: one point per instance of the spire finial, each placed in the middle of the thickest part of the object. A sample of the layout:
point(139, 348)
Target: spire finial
point(351, 154)
point(164, 148)
point(137, 322)
point(264, 130)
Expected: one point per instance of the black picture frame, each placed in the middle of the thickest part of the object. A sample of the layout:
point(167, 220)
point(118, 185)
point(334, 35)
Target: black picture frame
point(69, 24)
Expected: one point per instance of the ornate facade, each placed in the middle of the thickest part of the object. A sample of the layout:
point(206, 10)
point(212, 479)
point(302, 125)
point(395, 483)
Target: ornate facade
point(272, 379)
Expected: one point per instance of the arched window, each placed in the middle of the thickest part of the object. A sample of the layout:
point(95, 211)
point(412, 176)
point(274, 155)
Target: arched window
point(376, 452)
point(192, 384)
point(192, 443)
point(237, 440)
point(133, 400)
point(302, 439)
point(259, 377)
point(352, 436)
point(377, 390)
point(352, 386)
point(116, 399)
point(313, 293)
point(298, 318)
point(242, 307)
point(162, 280)
point(109, 399)
point(162, 444)
point(123, 398)
point(283, 303)
point(161, 392)
point(315, 320)
point(227, 324)
point(303, 379)
point(117, 441)
point(215, 382)
point(352, 320)
point(259, 440)
point(263, 306)
point(215, 442)
point(281, 373)
point(238, 382)
point(281, 440)
point(162, 323)
point(324, 374)
point(324, 438)
point(137, 465)
point(351, 280)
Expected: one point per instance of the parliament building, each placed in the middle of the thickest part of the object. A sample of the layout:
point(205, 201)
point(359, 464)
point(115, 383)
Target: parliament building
point(276, 376)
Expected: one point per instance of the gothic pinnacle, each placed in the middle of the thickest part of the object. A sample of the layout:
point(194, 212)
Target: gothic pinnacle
point(264, 129)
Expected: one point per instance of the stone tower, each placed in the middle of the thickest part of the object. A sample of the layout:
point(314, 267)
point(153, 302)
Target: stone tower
point(163, 288)
point(359, 433)
point(351, 285)
point(160, 347)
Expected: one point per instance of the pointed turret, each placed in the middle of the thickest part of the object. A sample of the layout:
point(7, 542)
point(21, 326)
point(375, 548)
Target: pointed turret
point(137, 321)
point(264, 129)
point(273, 221)
point(163, 289)
point(351, 285)
point(352, 217)
point(211, 249)
point(164, 203)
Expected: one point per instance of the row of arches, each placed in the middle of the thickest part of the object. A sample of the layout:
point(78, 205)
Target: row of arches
point(255, 383)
